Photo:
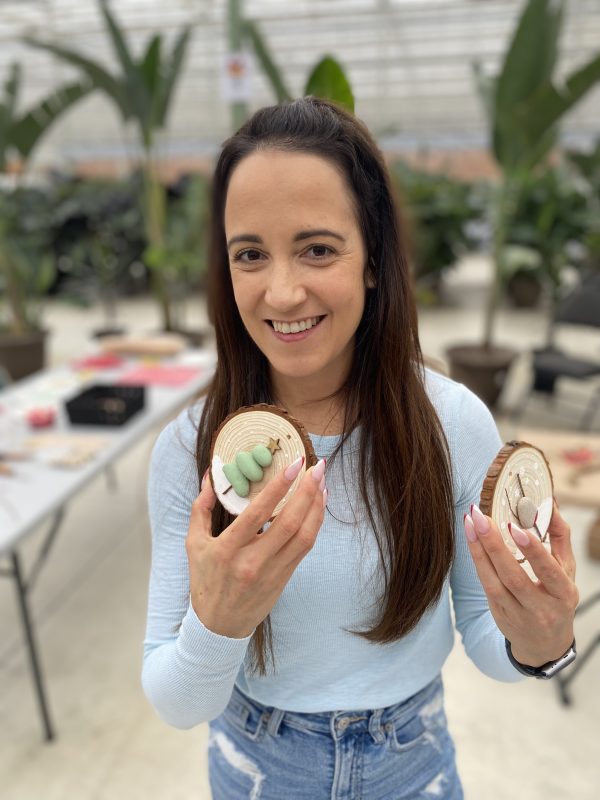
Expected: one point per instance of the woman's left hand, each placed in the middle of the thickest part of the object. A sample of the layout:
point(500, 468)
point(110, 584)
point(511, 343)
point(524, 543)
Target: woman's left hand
point(536, 618)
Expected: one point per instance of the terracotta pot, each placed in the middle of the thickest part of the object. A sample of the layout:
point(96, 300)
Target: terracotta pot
point(481, 369)
point(22, 355)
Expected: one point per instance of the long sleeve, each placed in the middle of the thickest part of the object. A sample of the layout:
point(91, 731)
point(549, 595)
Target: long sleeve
point(476, 444)
point(188, 671)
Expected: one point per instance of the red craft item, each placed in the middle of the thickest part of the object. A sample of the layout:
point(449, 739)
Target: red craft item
point(41, 417)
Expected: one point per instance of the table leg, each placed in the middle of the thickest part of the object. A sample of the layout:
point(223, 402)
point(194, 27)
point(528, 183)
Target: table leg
point(31, 645)
point(563, 680)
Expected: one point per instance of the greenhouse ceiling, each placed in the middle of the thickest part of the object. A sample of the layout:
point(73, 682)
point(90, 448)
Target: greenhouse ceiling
point(409, 63)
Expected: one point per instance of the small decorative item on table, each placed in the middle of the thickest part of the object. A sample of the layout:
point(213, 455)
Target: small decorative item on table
point(251, 446)
point(105, 404)
point(518, 489)
point(41, 417)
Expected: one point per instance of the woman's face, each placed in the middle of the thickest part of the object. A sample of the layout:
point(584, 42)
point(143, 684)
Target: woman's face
point(297, 261)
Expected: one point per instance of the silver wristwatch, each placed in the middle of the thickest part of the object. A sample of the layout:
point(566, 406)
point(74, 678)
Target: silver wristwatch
point(546, 671)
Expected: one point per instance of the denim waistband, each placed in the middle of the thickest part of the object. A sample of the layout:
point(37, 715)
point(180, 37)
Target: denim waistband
point(253, 715)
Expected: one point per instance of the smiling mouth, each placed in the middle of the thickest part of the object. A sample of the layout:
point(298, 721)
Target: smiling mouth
point(298, 326)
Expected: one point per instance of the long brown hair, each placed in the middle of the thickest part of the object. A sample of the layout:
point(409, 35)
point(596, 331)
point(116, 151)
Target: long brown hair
point(384, 393)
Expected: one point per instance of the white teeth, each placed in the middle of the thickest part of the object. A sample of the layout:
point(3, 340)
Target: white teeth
point(295, 327)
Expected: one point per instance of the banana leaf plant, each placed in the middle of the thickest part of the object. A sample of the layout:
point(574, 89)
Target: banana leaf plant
point(525, 104)
point(26, 269)
point(326, 79)
point(142, 89)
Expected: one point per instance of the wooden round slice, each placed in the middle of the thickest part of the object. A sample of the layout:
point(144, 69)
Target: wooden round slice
point(518, 488)
point(239, 446)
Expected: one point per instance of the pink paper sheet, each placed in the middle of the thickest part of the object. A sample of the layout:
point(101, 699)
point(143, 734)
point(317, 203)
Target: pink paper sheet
point(158, 375)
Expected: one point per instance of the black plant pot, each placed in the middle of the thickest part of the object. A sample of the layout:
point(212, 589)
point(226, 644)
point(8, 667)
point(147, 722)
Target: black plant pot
point(481, 369)
point(24, 354)
point(524, 290)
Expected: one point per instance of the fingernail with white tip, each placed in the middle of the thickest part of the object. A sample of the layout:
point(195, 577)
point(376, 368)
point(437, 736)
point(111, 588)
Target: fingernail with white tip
point(293, 469)
point(469, 528)
point(319, 471)
point(480, 521)
point(520, 536)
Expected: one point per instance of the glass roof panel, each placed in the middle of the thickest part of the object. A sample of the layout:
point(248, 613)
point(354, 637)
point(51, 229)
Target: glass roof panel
point(409, 62)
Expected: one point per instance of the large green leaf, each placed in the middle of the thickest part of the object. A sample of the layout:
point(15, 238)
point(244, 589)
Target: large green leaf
point(150, 64)
point(171, 74)
point(271, 70)
point(7, 111)
point(137, 91)
point(552, 102)
point(328, 80)
point(100, 77)
point(12, 88)
point(528, 66)
point(150, 69)
point(33, 125)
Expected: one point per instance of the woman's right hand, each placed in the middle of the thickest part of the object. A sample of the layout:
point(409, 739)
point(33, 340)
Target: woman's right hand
point(236, 577)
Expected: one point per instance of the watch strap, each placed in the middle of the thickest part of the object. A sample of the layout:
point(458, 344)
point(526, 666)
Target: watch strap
point(546, 671)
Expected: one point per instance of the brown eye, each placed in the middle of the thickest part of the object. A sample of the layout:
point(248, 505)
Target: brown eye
point(320, 251)
point(253, 255)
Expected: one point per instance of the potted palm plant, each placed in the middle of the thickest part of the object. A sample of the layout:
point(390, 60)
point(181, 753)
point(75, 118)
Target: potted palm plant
point(26, 268)
point(142, 90)
point(525, 104)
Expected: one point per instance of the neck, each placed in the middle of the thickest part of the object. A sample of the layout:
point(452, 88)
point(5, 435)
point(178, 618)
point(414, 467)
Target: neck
point(308, 402)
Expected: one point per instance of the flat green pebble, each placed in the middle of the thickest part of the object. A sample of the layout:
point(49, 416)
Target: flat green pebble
point(240, 485)
point(262, 455)
point(248, 466)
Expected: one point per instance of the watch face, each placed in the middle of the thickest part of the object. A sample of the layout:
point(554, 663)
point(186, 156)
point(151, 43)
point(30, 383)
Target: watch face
point(522, 494)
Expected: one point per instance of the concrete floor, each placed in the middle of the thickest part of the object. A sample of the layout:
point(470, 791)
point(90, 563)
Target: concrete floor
point(513, 741)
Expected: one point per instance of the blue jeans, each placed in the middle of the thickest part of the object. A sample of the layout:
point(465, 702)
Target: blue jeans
point(402, 752)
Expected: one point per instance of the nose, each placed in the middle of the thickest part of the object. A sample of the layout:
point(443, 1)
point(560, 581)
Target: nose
point(285, 289)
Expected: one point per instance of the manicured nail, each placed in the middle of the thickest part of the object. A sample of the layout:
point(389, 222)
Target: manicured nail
point(319, 470)
point(520, 537)
point(469, 528)
point(293, 469)
point(204, 477)
point(324, 497)
point(322, 484)
point(480, 521)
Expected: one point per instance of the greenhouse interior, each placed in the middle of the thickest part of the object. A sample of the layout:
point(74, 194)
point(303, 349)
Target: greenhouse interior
point(443, 156)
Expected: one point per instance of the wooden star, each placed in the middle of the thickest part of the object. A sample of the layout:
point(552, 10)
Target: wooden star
point(273, 445)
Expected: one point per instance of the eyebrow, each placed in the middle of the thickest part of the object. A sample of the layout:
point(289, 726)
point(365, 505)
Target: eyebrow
point(299, 237)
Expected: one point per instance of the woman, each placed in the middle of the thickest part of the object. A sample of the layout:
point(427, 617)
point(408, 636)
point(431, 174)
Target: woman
point(314, 648)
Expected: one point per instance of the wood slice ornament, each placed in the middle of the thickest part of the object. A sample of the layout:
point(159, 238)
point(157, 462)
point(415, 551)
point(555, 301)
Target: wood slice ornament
point(249, 448)
point(518, 488)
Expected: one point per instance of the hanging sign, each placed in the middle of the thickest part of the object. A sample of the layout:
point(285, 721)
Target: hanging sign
point(236, 78)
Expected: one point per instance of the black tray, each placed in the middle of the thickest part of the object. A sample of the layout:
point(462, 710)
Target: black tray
point(105, 404)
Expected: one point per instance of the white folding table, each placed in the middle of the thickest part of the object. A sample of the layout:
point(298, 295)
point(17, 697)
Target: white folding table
point(39, 492)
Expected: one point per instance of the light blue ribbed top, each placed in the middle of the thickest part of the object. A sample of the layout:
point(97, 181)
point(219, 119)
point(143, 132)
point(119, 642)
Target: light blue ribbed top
point(189, 671)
